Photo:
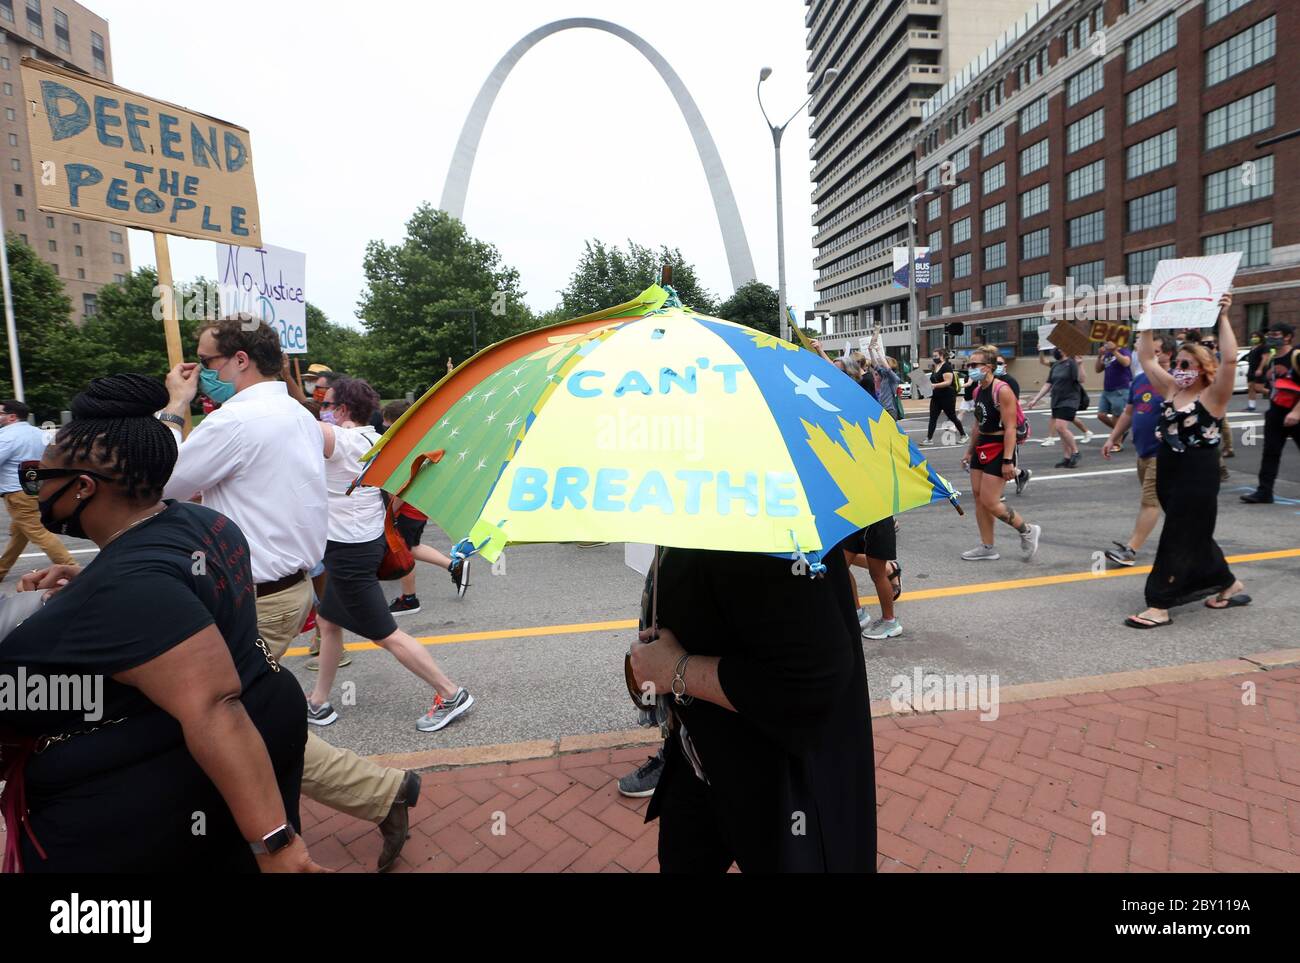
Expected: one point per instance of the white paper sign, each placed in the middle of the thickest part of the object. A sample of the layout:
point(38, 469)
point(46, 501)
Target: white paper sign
point(269, 283)
point(1185, 292)
point(1045, 332)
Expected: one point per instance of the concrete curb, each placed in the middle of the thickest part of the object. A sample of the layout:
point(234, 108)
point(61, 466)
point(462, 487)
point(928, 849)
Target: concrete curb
point(881, 708)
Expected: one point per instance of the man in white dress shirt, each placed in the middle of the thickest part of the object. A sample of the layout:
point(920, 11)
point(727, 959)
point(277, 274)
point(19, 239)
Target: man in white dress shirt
point(259, 461)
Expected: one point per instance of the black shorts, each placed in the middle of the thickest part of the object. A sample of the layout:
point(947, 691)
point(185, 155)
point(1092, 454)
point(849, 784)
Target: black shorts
point(1065, 414)
point(411, 529)
point(876, 541)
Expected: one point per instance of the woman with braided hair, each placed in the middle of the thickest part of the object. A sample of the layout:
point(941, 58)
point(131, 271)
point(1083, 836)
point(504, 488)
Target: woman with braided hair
point(184, 750)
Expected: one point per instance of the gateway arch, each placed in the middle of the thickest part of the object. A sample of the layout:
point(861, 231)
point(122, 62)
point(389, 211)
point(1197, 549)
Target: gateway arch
point(724, 202)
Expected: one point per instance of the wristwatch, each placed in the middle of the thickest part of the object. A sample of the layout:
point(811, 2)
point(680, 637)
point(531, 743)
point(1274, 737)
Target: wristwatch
point(171, 419)
point(274, 841)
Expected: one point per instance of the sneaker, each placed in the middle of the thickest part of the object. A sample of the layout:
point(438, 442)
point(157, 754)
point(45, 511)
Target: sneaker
point(864, 618)
point(1073, 462)
point(1087, 437)
point(1122, 555)
point(1250, 406)
point(405, 605)
point(322, 715)
point(928, 443)
point(1224, 474)
point(1029, 542)
point(313, 665)
point(1258, 497)
point(1050, 440)
point(984, 553)
point(460, 575)
point(442, 712)
point(1022, 480)
point(883, 629)
point(1063, 463)
point(642, 782)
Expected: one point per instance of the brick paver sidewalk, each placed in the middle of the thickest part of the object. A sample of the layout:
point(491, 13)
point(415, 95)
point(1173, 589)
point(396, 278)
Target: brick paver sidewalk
point(1187, 778)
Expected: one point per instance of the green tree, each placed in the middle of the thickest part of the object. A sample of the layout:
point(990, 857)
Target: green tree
point(607, 276)
point(126, 333)
point(419, 297)
point(46, 334)
point(754, 304)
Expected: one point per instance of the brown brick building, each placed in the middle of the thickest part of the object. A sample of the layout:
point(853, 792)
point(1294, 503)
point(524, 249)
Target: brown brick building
point(86, 254)
point(1103, 136)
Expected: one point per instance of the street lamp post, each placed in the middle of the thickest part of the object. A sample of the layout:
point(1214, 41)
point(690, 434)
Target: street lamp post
point(913, 315)
point(827, 75)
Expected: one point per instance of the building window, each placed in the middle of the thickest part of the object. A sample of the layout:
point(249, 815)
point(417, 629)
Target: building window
point(1151, 154)
point(961, 302)
point(9, 90)
point(97, 52)
point(995, 217)
point(994, 178)
point(119, 258)
point(1085, 131)
point(1029, 330)
point(993, 141)
point(35, 25)
point(961, 159)
point(961, 267)
point(115, 237)
point(1256, 318)
point(1035, 201)
point(960, 196)
point(1084, 181)
point(1152, 210)
point(1239, 119)
point(1142, 264)
point(1033, 158)
point(13, 140)
point(7, 11)
point(4, 63)
point(1034, 115)
point(995, 256)
point(1091, 273)
point(1084, 84)
point(52, 245)
point(1086, 229)
point(1240, 184)
point(81, 274)
point(78, 250)
point(61, 36)
point(1239, 53)
point(1149, 99)
point(10, 114)
point(936, 272)
point(1218, 9)
point(76, 227)
point(934, 209)
point(1254, 243)
point(22, 215)
point(995, 295)
point(89, 305)
point(934, 306)
point(49, 223)
point(961, 230)
point(1152, 42)
point(936, 240)
point(18, 190)
point(1035, 244)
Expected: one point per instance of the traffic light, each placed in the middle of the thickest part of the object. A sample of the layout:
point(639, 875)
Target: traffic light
point(956, 329)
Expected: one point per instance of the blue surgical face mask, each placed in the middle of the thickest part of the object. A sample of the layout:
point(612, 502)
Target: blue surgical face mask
point(211, 385)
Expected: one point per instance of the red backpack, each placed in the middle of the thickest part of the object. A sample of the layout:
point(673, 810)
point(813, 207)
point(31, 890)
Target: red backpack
point(1022, 423)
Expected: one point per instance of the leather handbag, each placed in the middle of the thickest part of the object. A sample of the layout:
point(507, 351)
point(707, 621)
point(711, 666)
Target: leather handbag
point(398, 562)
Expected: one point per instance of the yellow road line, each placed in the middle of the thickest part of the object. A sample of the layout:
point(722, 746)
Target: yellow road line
point(951, 591)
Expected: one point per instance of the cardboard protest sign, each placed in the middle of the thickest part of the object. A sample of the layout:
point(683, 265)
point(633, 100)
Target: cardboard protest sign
point(105, 153)
point(269, 283)
point(1069, 339)
point(1185, 292)
point(921, 386)
point(1105, 331)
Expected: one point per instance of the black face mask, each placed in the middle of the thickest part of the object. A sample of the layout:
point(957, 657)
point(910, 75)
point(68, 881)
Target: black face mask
point(1057, 354)
point(70, 526)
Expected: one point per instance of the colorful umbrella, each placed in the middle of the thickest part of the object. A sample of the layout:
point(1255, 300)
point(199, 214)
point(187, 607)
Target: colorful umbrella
point(652, 423)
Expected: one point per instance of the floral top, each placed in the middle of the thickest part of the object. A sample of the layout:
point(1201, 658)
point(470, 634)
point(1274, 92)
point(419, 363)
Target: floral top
point(1190, 427)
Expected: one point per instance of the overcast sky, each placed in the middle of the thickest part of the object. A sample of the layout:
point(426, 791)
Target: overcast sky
point(355, 108)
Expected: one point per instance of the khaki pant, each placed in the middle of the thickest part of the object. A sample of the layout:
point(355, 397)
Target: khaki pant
point(25, 526)
point(336, 777)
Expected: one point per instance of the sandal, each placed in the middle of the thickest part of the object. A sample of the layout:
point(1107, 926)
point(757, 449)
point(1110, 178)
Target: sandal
point(1138, 622)
point(1237, 601)
point(896, 579)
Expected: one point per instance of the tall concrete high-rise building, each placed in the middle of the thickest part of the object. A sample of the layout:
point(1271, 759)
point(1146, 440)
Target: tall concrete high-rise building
point(893, 56)
point(85, 254)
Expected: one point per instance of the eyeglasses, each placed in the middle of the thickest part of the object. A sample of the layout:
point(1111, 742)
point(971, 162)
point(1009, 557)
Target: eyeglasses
point(31, 474)
point(204, 362)
point(1209, 344)
point(1185, 364)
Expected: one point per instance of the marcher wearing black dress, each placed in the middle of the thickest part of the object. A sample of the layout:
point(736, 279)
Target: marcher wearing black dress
point(779, 723)
point(192, 750)
point(1189, 564)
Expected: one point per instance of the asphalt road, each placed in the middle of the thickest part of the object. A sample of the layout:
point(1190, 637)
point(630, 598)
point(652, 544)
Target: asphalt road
point(551, 664)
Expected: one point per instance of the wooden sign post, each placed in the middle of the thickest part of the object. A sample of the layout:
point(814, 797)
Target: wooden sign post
point(171, 325)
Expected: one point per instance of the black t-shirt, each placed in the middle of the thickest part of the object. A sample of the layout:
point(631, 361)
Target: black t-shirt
point(1255, 359)
point(146, 592)
point(937, 376)
point(987, 413)
point(1282, 366)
